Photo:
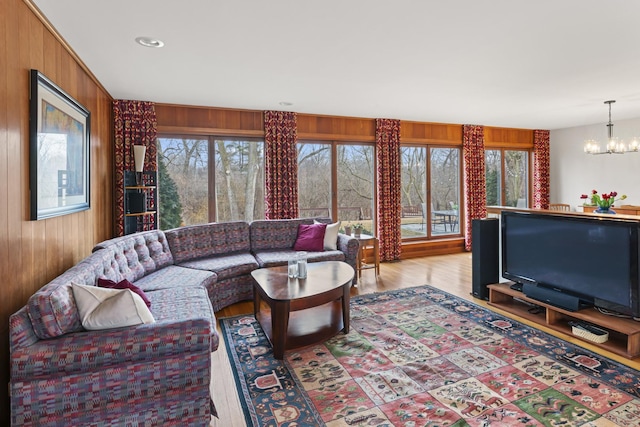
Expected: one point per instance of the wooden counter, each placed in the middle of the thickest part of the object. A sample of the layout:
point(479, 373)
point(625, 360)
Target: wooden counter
point(622, 209)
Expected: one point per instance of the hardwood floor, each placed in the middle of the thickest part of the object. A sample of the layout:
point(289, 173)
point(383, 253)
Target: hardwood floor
point(451, 273)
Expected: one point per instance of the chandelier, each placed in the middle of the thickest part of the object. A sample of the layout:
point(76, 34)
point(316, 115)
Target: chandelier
point(614, 145)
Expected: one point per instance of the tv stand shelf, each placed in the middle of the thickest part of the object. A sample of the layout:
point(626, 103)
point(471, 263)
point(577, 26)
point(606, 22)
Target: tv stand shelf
point(624, 334)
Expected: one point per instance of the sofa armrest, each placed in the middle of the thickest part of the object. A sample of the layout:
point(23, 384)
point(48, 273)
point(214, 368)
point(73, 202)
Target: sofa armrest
point(94, 350)
point(350, 246)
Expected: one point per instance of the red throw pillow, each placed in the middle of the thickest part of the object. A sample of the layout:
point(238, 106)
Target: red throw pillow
point(124, 284)
point(310, 237)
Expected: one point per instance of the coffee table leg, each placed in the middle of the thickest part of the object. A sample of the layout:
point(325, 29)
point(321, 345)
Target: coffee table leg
point(256, 302)
point(279, 327)
point(345, 308)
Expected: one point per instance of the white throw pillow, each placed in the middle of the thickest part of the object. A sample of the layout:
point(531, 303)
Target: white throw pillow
point(104, 308)
point(330, 236)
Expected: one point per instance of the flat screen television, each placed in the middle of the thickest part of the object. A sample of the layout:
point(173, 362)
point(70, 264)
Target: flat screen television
point(592, 258)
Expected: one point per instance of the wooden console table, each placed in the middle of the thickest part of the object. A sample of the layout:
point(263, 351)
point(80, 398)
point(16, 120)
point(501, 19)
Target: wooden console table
point(624, 334)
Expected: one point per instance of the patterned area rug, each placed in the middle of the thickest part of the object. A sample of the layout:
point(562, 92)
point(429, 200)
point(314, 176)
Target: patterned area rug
point(422, 357)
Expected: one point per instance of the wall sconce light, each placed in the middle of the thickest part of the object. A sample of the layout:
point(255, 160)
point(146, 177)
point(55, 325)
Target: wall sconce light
point(139, 152)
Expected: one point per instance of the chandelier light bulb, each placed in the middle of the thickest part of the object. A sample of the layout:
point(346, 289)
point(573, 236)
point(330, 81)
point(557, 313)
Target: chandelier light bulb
point(591, 146)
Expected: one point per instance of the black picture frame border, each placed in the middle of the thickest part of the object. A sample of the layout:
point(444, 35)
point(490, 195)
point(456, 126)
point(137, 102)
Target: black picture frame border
point(41, 85)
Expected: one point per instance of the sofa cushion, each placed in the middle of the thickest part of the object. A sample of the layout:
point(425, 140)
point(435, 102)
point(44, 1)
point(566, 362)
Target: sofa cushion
point(181, 304)
point(205, 240)
point(176, 277)
point(225, 266)
point(310, 237)
point(124, 284)
point(103, 308)
point(280, 257)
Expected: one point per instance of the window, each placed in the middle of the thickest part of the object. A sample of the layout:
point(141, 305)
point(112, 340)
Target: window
point(239, 178)
point(337, 180)
point(493, 177)
point(438, 214)
point(414, 191)
point(230, 188)
point(445, 190)
point(507, 178)
point(356, 181)
point(314, 180)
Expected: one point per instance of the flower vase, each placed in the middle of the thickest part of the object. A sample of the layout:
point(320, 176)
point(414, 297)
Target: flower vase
point(602, 210)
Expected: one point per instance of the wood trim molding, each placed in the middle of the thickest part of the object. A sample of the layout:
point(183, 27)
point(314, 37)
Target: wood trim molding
point(335, 128)
point(432, 247)
point(508, 138)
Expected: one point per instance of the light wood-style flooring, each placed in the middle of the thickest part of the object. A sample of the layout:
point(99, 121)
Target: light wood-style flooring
point(451, 273)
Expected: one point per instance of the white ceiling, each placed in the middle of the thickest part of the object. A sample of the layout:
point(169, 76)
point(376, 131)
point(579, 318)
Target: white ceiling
point(543, 64)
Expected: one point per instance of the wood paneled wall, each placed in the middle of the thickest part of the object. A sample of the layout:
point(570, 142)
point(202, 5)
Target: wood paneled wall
point(34, 252)
point(333, 128)
point(431, 133)
point(508, 138)
point(182, 119)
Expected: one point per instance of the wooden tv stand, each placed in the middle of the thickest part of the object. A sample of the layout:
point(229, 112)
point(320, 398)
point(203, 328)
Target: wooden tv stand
point(624, 334)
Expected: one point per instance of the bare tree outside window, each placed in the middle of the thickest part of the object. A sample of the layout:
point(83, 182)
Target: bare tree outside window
point(342, 185)
point(515, 180)
point(239, 180)
point(437, 212)
point(414, 191)
point(511, 169)
point(493, 162)
point(187, 162)
point(314, 180)
point(238, 169)
point(445, 189)
point(355, 167)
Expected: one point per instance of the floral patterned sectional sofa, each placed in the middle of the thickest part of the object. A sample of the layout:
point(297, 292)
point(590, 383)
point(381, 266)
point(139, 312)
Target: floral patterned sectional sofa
point(152, 373)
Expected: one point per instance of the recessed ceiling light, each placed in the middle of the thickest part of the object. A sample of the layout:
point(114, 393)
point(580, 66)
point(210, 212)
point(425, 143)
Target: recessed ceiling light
point(149, 42)
point(285, 103)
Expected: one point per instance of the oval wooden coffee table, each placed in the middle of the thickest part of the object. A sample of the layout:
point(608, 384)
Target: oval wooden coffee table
point(301, 312)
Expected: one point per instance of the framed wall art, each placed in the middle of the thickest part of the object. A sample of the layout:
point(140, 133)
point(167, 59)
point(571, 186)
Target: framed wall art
point(59, 129)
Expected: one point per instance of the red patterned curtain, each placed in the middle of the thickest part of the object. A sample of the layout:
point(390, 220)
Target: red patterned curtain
point(134, 123)
point(388, 185)
point(281, 164)
point(541, 169)
point(474, 178)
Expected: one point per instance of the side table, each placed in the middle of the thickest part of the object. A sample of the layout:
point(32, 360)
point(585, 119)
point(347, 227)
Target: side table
point(367, 241)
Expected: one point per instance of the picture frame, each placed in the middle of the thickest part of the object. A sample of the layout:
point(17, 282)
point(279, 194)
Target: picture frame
point(59, 148)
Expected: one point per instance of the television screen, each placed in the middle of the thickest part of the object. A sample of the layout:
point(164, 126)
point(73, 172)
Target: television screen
point(595, 259)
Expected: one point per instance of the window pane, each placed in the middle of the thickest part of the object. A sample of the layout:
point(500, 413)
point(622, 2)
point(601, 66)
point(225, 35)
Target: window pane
point(414, 191)
point(239, 178)
point(515, 182)
point(492, 168)
point(355, 185)
point(183, 162)
point(314, 180)
point(445, 190)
